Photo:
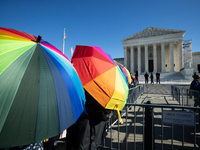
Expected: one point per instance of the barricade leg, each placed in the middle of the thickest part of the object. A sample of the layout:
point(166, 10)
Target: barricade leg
point(149, 129)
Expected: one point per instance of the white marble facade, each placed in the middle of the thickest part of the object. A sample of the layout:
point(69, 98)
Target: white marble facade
point(154, 49)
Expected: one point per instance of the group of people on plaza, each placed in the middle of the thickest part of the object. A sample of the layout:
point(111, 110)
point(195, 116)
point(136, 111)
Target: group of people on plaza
point(146, 76)
point(135, 80)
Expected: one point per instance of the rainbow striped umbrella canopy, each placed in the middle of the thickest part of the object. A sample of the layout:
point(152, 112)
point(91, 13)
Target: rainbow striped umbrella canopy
point(40, 92)
point(101, 76)
point(125, 72)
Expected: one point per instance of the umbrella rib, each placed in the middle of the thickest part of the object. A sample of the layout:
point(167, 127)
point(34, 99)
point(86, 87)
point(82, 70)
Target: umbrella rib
point(87, 68)
point(101, 89)
point(93, 79)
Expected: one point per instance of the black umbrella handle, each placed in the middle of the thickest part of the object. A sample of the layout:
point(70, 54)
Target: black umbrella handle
point(39, 38)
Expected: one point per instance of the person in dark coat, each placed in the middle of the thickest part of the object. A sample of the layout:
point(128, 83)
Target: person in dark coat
point(151, 76)
point(136, 76)
point(157, 77)
point(195, 77)
point(85, 134)
point(195, 85)
point(90, 129)
point(146, 76)
point(136, 79)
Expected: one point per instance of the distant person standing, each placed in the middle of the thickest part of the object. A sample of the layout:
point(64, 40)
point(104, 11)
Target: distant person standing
point(136, 76)
point(151, 76)
point(195, 85)
point(146, 76)
point(157, 77)
point(133, 82)
point(194, 75)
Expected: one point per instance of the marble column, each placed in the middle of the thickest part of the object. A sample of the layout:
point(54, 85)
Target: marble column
point(180, 54)
point(139, 59)
point(125, 57)
point(146, 59)
point(132, 60)
point(163, 57)
point(154, 58)
point(172, 56)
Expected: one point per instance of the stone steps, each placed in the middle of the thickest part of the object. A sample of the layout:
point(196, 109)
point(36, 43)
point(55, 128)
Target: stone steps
point(171, 76)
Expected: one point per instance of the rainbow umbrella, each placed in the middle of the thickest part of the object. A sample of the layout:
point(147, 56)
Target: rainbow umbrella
point(101, 77)
point(128, 75)
point(40, 92)
point(125, 72)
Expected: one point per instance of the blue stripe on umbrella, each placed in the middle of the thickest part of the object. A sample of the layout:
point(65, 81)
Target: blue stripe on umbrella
point(72, 73)
point(64, 105)
point(73, 93)
point(72, 96)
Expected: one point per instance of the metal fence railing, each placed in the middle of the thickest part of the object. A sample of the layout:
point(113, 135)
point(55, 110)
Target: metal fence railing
point(185, 97)
point(175, 134)
point(163, 134)
point(175, 92)
point(190, 97)
point(134, 94)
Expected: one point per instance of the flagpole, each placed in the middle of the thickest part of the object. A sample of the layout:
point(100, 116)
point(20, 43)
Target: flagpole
point(64, 37)
point(72, 51)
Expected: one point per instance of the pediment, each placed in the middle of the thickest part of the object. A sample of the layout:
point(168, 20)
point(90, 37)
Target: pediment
point(152, 32)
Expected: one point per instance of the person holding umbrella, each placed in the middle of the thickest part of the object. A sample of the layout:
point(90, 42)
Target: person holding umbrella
point(90, 129)
point(41, 92)
point(106, 90)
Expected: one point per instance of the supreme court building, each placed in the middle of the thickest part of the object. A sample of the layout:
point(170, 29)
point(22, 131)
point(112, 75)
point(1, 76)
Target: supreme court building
point(154, 49)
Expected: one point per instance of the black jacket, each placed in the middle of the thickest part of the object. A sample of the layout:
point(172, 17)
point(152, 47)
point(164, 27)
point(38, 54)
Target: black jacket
point(89, 130)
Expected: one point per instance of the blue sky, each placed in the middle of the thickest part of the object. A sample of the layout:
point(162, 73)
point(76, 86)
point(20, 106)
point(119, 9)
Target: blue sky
point(102, 23)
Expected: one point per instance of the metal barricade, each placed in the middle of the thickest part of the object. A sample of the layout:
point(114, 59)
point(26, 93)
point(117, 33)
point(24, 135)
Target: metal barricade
point(181, 134)
point(190, 97)
point(176, 92)
point(134, 94)
point(163, 135)
point(185, 97)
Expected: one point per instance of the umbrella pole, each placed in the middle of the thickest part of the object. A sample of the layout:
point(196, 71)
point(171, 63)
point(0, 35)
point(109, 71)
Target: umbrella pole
point(119, 115)
point(39, 38)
